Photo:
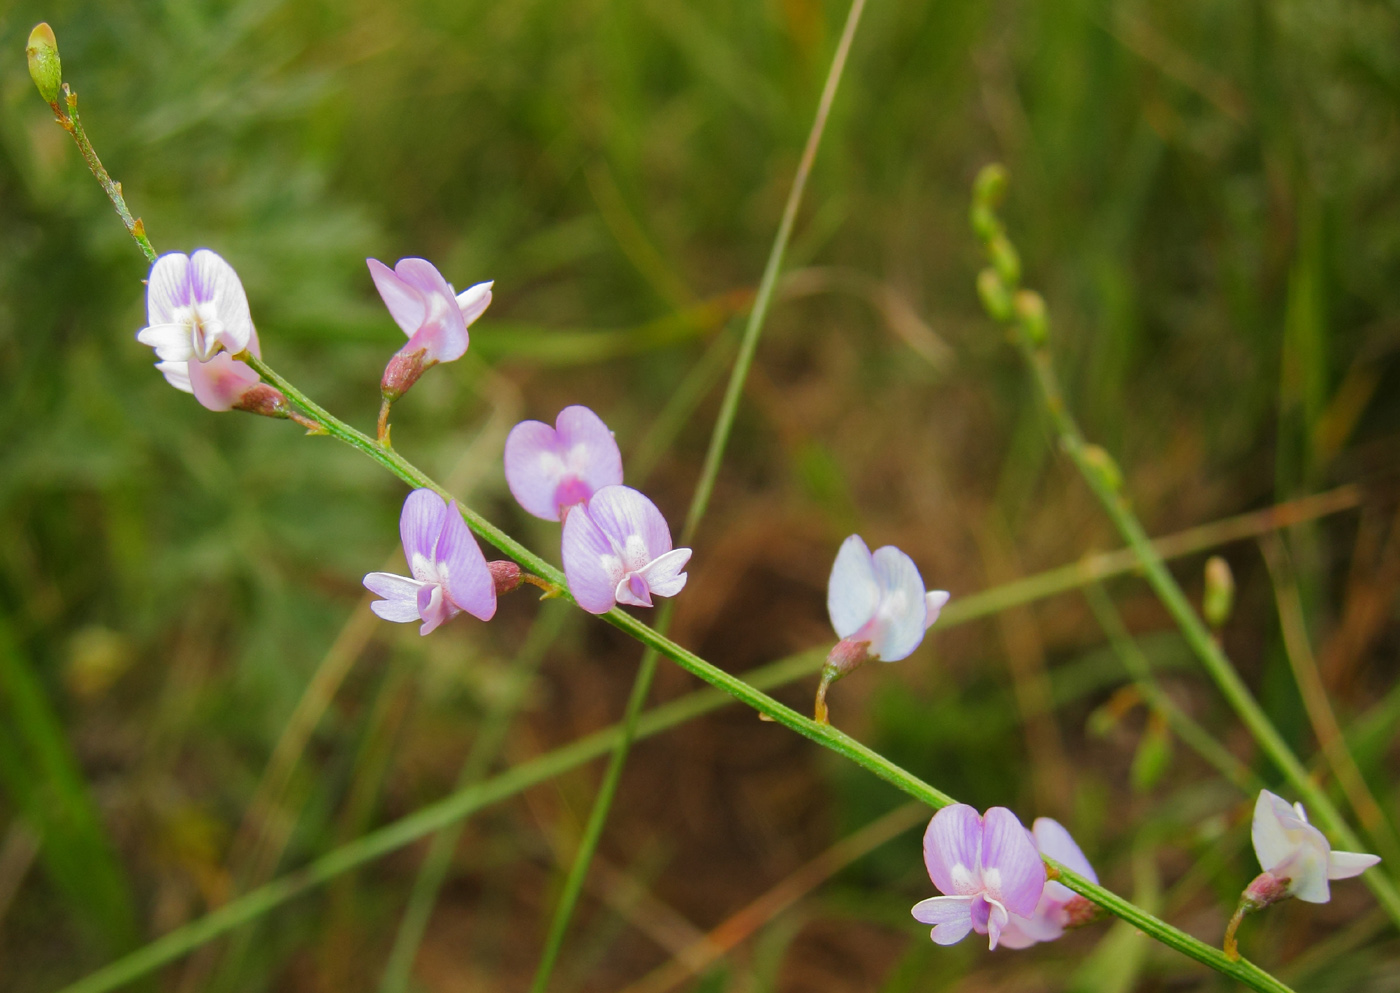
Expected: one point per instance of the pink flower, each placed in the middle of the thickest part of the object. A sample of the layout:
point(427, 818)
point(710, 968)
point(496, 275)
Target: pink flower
point(1295, 855)
point(198, 317)
point(879, 600)
point(426, 307)
point(617, 549)
point(550, 469)
point(449, 572)
point(1059, 907)
point(988, 868)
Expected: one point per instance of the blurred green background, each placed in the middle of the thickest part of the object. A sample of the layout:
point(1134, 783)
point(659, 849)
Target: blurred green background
point(1207, 194)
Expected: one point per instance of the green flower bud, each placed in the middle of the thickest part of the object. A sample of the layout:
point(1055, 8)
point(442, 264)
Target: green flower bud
point(1030, 313)
point(990, 185)
point(1005, 259)
point(1219, 597)
point(1101, 464)
point(996, 298)
point(44, 67)
point(985, 223)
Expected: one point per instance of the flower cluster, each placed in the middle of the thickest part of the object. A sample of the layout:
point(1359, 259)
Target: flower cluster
point(991, 873)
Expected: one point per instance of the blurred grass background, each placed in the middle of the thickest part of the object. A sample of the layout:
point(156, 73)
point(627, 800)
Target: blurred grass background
point(1207, 194)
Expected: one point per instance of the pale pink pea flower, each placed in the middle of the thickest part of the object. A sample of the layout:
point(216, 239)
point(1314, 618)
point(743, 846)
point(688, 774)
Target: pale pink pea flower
point(450, 574)
point(1059, 906)
point(197, 319)
point(1295, 855)
point(617, 549)
point(878, 607)
point(551, 469)
point(433, 315)
point(987, 868)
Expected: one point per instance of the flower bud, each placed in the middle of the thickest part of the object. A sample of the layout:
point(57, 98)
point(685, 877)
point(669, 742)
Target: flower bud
point(506, 575)
point(996, 298)
point(990, 185)
point(265, 400)
point(1005, 259)
point(1219, 596)
point(1030, 312)
point(1101, 464)
point(44, 67)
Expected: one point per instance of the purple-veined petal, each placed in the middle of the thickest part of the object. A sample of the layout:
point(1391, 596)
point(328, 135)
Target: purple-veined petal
point(1269, 831)
point(1053, 840)
point(633, 523)
point(420, 525)
point(424, 277)
point(663, 575)
point(588, 448)
point(1012, 871)
point(899, 625)
point(400, 603)
point(212, 280)
point(177, 374)
point(1344, 865)
point(851, 592)
point(167, 287)
point(591, 566)
point(434, 607)
point(949, 914)
point(221, 382)
point(632, 589)
point(474, 300)
point(997, 918)
point(443, 332)
point(171, 341)
point(405, 303)
point(934, 602)
point(534, 468)
point(469, 581)
point(953, 850)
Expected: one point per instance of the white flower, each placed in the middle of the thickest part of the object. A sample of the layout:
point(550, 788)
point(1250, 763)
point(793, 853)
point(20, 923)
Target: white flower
point(1297, 854)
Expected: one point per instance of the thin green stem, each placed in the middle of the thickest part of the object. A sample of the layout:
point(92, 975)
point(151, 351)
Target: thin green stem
point(1195, 736)
point(1089, 460)
point(484, 751)
point(714, 457)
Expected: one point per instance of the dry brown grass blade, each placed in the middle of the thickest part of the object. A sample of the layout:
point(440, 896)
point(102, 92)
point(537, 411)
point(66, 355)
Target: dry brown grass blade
point(741, 925)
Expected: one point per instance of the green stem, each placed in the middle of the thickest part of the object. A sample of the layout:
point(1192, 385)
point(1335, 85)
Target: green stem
point(484, 750)
point(1195, 736)
point(719, 440)
point(1090, 465)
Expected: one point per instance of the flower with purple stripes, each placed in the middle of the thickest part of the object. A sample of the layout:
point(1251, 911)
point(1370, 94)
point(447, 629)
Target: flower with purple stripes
point(433, 315)
point(552, 469)
point(450, 574)
point(1059, 907)
point(617, 549)
point(987, 868)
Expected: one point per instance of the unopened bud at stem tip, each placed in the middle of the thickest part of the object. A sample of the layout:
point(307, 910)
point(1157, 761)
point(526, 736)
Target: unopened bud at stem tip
point(1219, 598)
point(44, 66)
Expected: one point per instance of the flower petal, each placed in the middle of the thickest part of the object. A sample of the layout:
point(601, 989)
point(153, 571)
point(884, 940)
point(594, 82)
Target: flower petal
point(934, 602)
point(1012, 870)
point(997, 919)
point(588, 448)
point(167, 287)
point(221, 382)
point(1269, 832)
point(420, 526)
point(442, 332)
point(212, 280)
point(1053, 840)
point(177, 374)
point(469, 581)
point(400, 603)
point(534, 468)
point(434, 607)
point(474, 300)
point(851, 592)
point(622, 513)
point(171, 341)
point(943, 910)
point(1307, 874)
point(632, 589)
point(591, 565)
point(1344, 865)
point(953, 850)
point(899, 625)
point(663, 575)
point(405, 303)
